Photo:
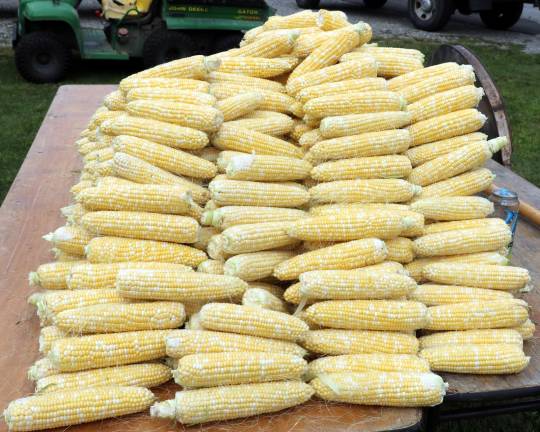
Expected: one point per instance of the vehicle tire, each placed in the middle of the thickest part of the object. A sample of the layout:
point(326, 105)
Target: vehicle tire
point(502, 16)
point(41, 57)
point(374, 4)
point(226, 42)
point(308, 4)
point(430, 15)
point(165, 45)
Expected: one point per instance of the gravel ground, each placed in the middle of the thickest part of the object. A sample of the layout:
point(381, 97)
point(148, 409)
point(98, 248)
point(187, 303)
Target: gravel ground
point(390, 21)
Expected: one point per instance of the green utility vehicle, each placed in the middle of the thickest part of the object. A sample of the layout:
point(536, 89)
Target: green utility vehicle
point(49, 32)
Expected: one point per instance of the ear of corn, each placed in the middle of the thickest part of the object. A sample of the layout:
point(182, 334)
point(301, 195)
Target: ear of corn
point(478, 315)
point(472, 337)
point(168, 94)
point(85, 275)
point(257, 67)
point(131, 83)
point(236, 106)
point(417, 76)
point(463, 241)
point(267, 168)
point(47, 336)
point(354, 285)
point(385, 315)
point(438, 227)
point(218, 369)
point(177, 286)
point(205, 405)
point(453, 208)
point(258, 297)
point(185, 342)
point(75, 406)
point(434, 295)
point(52, 275)
point(274, 126)
point(336, 342)
point(381, 388)
point(256, 237)
point(256, 265)
point(245, 81)
point(469, 183)
point(252, 320)
point(161, 132)
point(526, 329)
point(345, 86)
point(392, 166)
point(139, 374)
point(477, 275)
point(195, 67)
point(225, 217)
point(113, 318)
point(70, 239)
point(477, 359)
point(118, 249)
point(389, 64)
point(354, 254)
point(102, 350)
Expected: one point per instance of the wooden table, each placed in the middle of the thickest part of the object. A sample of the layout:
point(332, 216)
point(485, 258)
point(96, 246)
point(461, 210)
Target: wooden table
point(31, 209)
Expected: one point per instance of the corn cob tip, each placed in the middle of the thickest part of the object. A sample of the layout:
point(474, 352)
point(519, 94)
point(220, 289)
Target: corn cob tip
point(527, 288)
point(34, 298)
point(66, 211)
point(33, 279)
point(206, 218)
point(470, 70)
point(48, 237)
point(497, 144)
point(479, 93)
point(293, 35)
point(402, 103)
point(239, 163)
point(211, 64)
point(408, 222)
point(166, 409)
point(171, 362)
point(416, 189)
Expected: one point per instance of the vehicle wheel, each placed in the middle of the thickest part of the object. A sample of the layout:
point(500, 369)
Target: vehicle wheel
point(226, 42)
point(164, 45)
point(502, 16)
point(308, 4)
point(41, 57)
point(430, 15)
point(374, 4)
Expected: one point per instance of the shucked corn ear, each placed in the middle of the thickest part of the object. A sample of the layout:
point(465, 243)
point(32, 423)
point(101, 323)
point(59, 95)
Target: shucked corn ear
point(472, 337)
point(259, 297)
point(131, 83)
point(139, 374)
point(70, 239)
point(85, 275)
point(354, 254)
point(476, 359)
point(252, 321)
point(218, 369)
point(354, 285)
point(171, 94)
point(453, 208)
point(211, 404)
point(463, 224)
point(170, 199)
point(227, 192)
point(141, 225)
point(246, 81)
point(417, 76)
point(52, 275)
point(381, 388)
point(75, 406)
point(239, 105)
point(350, 85)
point(113, 318)
point(464, 241)
point(480, 276)
point(257, 67)
point(185, 342)
point(267, 168)
point(256, 265)
point(336, 342)
point(434, 295)
point(256, 237)
point(457, 162)
point(225, 217)
point(351, 226)
point(386, 315)
point(367, 362)
point(172, 160)
point(177, 286)
point(469, 183)
point(392, 166)
point(478, 315)
point(168, 134)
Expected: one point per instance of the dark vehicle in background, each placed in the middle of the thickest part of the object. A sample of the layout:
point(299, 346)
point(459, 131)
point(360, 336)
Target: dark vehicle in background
point(432, 15)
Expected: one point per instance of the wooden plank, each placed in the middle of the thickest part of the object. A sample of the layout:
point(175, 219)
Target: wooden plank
point(31, 209)
point(525, 253)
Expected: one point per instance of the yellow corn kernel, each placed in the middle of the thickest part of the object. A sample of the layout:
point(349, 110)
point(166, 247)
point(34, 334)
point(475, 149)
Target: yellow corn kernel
point(115, 101)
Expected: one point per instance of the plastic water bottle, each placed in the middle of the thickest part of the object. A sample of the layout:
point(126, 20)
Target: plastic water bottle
point(506, 205)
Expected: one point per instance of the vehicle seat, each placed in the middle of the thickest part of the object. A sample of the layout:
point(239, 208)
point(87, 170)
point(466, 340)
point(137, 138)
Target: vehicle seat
point(118, 9)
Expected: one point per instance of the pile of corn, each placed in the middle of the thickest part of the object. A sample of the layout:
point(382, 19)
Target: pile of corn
point(322, 188)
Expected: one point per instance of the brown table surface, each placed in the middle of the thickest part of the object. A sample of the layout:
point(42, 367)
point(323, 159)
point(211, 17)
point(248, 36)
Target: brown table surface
point(31, 209)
